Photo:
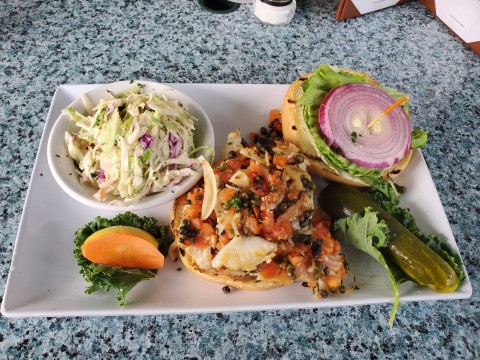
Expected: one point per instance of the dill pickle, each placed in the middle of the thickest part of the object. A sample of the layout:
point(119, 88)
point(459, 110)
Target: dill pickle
point(404, 250)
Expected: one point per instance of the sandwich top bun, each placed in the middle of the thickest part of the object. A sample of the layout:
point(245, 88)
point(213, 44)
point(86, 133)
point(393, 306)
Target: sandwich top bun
point(263, 231)
point(293, 120)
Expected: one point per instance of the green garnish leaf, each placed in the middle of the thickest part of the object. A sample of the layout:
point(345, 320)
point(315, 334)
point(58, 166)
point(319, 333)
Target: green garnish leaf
point(369, 235)
point(353, 137)
point(122, 280)
point(234, 202)
point(419, 138)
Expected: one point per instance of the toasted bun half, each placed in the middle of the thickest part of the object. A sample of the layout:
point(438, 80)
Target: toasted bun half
point(292, 114)
point(234, 280)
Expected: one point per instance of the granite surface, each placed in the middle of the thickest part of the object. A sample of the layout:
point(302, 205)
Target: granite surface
point(44, 44)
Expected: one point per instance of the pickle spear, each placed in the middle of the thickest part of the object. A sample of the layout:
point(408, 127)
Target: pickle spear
point(404, 249)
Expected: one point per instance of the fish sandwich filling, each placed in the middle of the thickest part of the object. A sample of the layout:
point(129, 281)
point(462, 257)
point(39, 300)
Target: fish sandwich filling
point(261, 229)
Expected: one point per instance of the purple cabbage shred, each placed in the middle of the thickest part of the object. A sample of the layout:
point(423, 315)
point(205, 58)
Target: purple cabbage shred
point(146, 141)
point(110, 108)
point(100, 175)
point(175, 143)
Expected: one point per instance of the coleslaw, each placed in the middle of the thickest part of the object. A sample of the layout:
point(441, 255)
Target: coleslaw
point(133, 144)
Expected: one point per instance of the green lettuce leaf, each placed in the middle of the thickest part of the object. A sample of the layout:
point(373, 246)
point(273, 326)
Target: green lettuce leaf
point(369, 235)
point(419, 138)
point(122, 280)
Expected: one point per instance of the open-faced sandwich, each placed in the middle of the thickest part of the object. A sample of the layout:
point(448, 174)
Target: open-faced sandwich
point(353, 129)
point(250, 222)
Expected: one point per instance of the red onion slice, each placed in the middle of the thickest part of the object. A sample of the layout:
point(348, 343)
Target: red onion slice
point(344, 116)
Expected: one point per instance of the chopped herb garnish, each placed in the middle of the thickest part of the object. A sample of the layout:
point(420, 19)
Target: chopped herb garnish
point(353, 137)
point(235, 202)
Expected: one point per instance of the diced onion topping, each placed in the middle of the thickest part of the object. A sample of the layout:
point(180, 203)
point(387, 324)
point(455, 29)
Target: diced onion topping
point(344, 116)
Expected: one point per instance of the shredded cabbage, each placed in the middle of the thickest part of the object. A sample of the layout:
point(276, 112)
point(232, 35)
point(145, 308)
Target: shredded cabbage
point(132, 144)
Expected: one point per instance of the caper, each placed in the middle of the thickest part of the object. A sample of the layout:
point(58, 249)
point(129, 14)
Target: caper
point(258, 178)
point(183, 230)
point(244, 197)
point(303, 238)
point(304, 181)
point(273, 188)
point(291, 270)
point(316, 248)
point(299, 159)
point(232, 154)
point(282, 207)
point(307, 184)
point(263, 130)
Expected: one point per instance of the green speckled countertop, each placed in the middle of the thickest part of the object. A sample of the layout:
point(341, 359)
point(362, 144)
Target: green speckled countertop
point(44, 44)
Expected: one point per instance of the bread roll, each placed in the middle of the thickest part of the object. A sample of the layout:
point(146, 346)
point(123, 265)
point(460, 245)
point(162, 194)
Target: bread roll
point(292, 115)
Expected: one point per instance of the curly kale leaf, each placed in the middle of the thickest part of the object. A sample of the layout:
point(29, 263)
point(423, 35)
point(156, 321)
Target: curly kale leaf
point(122, 280)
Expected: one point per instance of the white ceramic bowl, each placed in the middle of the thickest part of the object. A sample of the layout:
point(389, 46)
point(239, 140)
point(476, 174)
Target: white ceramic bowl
point(63, 167)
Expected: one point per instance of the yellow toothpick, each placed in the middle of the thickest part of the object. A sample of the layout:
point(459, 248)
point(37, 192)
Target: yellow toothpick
point(398, 102)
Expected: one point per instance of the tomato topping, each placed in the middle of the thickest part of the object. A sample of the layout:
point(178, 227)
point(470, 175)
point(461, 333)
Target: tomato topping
point(332, 281)
point(272, 230)
point(202, 240)
point(280, 160)
point(226, 169)
point(337, 249)
point(226, 194)
point(269, 271)
point(274, 115)
point(318, 216)
point(182, 200)
point(234, 164)
point(254, 169)
point(253, 225)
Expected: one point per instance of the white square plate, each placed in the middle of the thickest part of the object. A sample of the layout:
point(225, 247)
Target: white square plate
point(44, 279)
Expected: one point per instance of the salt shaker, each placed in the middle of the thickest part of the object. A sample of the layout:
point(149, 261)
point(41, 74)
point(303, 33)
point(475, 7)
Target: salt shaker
point(274, 12)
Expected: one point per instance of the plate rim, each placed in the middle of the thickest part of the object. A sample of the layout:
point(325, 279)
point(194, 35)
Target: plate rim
point(17, 312)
